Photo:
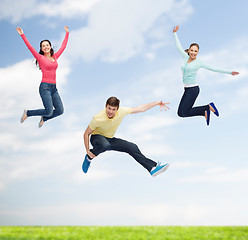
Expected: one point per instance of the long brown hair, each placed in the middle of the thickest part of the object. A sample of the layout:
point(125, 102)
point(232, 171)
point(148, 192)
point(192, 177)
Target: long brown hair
point(191, 45)
point(42, 53)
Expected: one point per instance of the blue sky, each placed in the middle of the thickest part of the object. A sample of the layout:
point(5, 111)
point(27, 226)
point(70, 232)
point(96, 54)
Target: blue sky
point(124, 48)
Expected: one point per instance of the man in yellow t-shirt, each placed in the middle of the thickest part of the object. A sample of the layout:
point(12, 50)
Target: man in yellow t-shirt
point(101, 131)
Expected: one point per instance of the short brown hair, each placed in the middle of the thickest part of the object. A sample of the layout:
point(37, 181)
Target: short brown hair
point(113, 102)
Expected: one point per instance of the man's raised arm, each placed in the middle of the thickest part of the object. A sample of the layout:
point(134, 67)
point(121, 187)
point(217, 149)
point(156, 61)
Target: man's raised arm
point(145, 107)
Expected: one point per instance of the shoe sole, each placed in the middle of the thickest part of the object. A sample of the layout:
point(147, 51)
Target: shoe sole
point(161, 170)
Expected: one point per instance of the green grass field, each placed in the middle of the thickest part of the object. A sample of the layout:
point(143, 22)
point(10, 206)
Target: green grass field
point(124, 233)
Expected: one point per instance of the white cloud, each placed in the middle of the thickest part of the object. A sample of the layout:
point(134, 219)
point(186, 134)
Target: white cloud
point(22, 81)
point(165, 85)
point(118, 29)
point(220, 175)
point(67, 141)
point(2, 187)
point(158, 149)
point(108, 213)
point(188, 164)
point(150, 55)
point(151, 123)
point(16, 11)
point(67, 8)
point(239, 101)
point(91, 176)
point(146, 132)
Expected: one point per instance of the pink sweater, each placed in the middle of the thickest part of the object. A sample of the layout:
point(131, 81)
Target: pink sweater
point(47, 66)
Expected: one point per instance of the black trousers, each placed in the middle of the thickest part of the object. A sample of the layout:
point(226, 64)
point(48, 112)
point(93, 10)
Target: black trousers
point(101, 144)
point(186, 108)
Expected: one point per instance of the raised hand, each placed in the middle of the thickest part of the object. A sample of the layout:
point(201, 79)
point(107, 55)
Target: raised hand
point(19, 30)
point(234, 73)
point(175, 29)
point(66, 29)
point(91, 155)
point(162, 106)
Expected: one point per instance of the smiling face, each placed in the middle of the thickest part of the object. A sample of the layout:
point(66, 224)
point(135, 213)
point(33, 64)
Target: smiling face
point(111, 111)
point(46, 47)
point(193, 51)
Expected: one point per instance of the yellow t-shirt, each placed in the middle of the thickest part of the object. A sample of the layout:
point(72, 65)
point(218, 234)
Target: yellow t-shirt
point(101, 124)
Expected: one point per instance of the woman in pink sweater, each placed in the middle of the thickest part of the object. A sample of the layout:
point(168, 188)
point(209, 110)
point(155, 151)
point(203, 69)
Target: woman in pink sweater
point(47, 61)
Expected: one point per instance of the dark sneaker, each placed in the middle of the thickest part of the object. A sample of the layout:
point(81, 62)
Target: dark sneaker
point(215, 109)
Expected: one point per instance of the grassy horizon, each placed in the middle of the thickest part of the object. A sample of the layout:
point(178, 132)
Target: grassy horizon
point(123, 233)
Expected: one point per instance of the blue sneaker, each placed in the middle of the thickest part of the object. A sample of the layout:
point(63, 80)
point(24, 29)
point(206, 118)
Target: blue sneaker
point(159, 169)
point(86, 164)
point(215, 109)
point(208, 117)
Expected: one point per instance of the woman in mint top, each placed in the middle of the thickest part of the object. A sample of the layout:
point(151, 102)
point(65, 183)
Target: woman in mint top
point(190, 66)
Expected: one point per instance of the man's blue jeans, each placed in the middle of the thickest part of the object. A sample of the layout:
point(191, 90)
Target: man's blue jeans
point(101, 144)
point(50, 98)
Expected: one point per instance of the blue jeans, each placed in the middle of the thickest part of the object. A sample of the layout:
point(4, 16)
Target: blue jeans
point(101, 144)
point(186, 108)
point(50, 98)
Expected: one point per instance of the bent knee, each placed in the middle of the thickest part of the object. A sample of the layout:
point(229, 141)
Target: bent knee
point(133, 147)
point(49, 113)
point(181, 114)
point(60, 111)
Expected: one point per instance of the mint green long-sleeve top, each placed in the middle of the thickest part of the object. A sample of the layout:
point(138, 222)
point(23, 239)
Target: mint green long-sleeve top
point(189, 70)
